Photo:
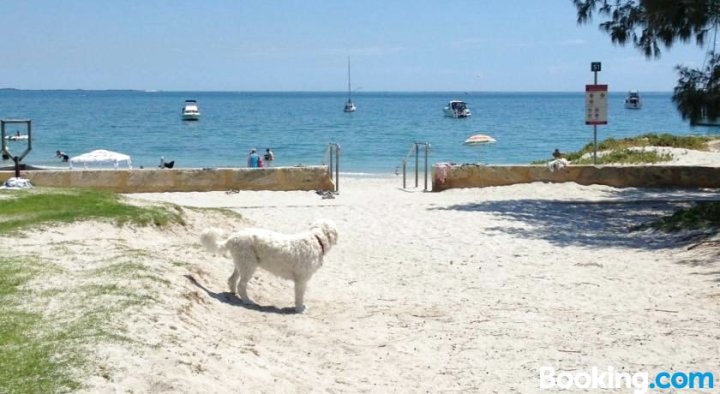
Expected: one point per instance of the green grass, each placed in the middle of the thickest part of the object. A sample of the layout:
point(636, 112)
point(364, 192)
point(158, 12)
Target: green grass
point(701, 216)
point(621, 152)
point(32, 360)
point(33, 207)
point(626, 156)
point(39, 349)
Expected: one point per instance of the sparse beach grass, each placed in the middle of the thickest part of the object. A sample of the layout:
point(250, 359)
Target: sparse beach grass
point(624, 151)
point(27, 208)
point(701, 216)
point(35, 355)
point(42, 346)
point(624, 156)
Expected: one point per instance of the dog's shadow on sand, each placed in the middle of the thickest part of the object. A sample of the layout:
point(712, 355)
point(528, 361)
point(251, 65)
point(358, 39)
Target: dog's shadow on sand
point(232, 299)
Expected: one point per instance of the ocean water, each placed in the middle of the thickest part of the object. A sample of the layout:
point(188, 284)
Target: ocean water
point(298, 126)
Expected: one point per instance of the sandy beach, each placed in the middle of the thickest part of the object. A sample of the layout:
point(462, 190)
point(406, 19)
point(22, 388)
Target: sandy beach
point(467, 290)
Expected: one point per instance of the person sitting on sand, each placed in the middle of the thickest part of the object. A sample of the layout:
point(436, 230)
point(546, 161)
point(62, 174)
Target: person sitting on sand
point(62, 155)
point(558, 163)
point(166, 164)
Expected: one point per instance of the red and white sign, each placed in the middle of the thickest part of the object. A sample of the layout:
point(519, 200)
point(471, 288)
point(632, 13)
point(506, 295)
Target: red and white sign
point(596, 104)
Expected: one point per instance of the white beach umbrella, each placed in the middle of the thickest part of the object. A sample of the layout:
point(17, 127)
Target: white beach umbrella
point(100, 157)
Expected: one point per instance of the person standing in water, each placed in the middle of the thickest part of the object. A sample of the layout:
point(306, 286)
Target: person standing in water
point(269, 157)
point(253, 159)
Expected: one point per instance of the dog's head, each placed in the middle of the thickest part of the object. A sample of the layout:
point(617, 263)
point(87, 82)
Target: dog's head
point(326, 230)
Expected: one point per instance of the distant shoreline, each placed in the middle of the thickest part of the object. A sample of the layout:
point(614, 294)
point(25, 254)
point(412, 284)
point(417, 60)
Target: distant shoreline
point(580, 91)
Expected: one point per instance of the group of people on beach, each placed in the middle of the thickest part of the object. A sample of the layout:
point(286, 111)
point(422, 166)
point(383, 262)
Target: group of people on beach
point(256, 161)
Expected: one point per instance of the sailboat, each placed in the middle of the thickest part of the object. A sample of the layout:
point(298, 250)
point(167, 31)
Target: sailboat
point(349, 106)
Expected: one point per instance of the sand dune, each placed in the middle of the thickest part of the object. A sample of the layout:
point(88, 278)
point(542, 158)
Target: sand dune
point(464, 290)
point(469, 289)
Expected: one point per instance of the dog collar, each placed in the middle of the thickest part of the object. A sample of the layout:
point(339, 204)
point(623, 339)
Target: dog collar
point(322, 247)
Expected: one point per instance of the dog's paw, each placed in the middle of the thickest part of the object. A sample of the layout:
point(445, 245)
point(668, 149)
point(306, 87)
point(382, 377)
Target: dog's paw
point(300, 309)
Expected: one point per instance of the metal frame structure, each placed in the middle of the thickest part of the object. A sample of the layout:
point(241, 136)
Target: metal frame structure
point(415, 148)
point(333, 150)
point(6, 153)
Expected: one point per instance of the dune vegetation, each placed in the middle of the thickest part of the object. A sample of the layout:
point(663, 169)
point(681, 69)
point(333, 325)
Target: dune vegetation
point(626, 150)
point(40, 351)
point(26, 208)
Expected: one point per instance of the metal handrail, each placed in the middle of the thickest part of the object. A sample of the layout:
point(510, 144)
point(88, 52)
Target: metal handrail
point(415, 149)
point(332, 152)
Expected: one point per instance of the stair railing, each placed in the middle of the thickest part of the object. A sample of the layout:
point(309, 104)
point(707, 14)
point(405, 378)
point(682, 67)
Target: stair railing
point(415, 151)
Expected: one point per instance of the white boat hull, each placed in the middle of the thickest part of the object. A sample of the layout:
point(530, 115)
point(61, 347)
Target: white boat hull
point(457, 109)
point(16, 137)
point(190, 110)
point(457, 114)
point(632, 101)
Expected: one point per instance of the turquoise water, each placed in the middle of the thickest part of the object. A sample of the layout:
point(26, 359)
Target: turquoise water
point(299, 126)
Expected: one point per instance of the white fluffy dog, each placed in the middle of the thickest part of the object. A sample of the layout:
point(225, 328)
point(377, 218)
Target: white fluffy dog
point(290, 256)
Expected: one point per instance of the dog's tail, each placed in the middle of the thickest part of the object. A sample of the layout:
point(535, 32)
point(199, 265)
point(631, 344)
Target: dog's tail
point(211, 241)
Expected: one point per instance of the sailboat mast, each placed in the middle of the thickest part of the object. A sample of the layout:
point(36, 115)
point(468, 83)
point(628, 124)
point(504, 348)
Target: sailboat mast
point(349, 106)
point(349, 89)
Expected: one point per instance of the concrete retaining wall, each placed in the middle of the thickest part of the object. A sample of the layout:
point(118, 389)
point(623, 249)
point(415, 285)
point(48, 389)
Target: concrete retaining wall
point(473, 175)
point(182, 180)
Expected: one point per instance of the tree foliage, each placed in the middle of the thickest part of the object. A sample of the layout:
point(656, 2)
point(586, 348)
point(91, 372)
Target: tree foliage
point(652, 24)
point(697, 94)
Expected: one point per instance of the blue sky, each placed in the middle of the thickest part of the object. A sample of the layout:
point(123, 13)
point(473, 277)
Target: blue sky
point(303, 45)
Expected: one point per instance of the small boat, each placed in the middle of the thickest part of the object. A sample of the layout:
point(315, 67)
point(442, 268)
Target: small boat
point(457, 109)
point(479, 139)
point(190, 110)
point(349, 105)
point(632, 101)
point(16, 137)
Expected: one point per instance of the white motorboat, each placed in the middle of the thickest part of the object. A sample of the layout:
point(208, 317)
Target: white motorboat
point(16, 137)
point(190, 110)
point(349, 105)
point(632, 101)
point(457, 109)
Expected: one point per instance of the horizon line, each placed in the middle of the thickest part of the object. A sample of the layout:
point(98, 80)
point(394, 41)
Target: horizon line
point(467, 92)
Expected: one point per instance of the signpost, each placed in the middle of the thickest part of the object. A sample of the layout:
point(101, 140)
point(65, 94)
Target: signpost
point(595, 105)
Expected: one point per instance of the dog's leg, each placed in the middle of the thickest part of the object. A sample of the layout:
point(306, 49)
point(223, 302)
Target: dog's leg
point(233, 280)
point(300, 286)
point(245, 276)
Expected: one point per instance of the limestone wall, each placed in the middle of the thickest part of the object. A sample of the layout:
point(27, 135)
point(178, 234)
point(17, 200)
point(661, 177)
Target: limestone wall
point(473, 175)
point(182, 180)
